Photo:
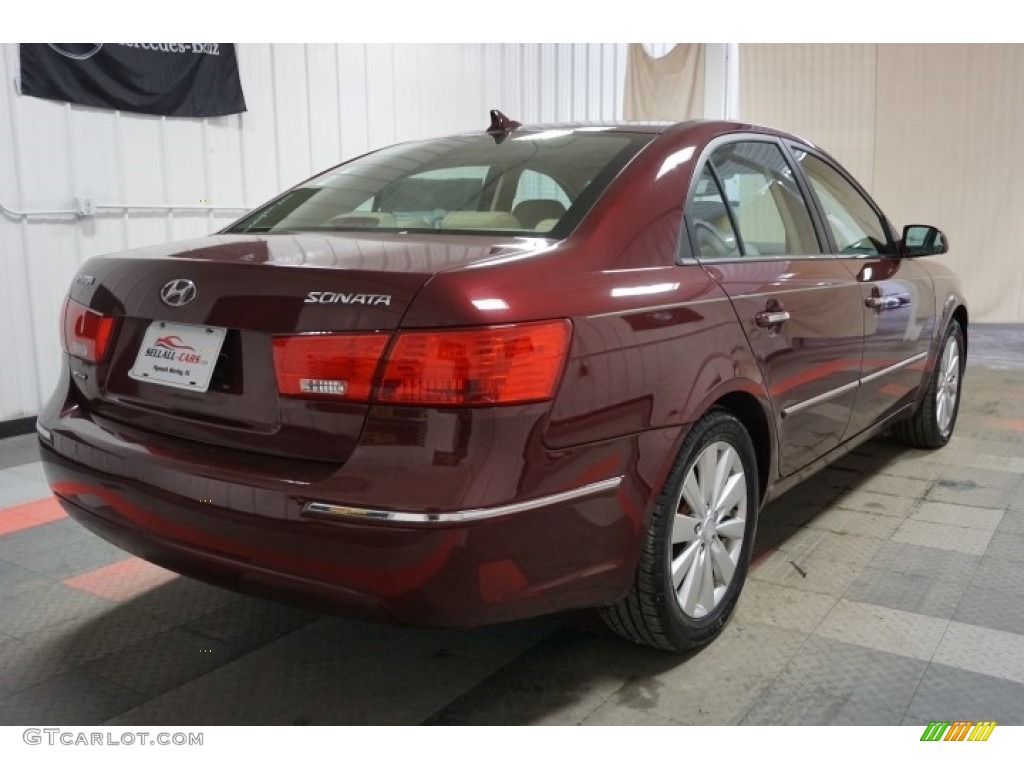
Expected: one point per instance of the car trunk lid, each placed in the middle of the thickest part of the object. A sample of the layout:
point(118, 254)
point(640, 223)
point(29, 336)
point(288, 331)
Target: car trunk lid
point(246, 291)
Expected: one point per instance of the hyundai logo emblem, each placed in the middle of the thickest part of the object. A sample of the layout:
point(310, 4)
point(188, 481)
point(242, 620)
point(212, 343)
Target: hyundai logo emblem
point(178, 293)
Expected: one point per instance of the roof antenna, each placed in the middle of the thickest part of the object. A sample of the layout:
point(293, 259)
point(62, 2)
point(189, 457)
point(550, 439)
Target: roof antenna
point(501, 125)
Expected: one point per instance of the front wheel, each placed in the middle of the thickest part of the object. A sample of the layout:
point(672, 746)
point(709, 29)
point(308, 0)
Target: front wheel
point(932, 425)
point(695, 554)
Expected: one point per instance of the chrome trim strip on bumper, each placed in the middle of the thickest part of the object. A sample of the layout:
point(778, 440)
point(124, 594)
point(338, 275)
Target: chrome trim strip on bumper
point(852, 385)
point(341, 512)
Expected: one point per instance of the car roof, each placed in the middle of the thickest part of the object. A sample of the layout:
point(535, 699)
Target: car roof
point(664, 127)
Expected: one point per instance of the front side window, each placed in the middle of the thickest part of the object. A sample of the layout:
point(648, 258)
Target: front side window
point(766, 205)
point(855, 226)
point(526, 184)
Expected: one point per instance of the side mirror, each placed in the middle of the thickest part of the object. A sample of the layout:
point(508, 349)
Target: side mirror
point(922, 240)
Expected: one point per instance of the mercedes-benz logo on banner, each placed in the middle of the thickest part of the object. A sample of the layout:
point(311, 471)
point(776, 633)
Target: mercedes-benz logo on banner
point(178, 293)
point(77, 51)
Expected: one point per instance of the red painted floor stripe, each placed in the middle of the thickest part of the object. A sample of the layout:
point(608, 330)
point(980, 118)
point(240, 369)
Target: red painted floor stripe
point(122, 580)
point(22, 516)
point(1006, 424)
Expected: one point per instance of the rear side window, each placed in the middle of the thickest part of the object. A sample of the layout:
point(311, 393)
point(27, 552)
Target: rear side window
point(767, 210)
point(855, 226)
point(713, 233)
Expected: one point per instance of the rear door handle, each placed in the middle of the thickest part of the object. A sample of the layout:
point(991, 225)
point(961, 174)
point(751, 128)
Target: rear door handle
point(771, 317)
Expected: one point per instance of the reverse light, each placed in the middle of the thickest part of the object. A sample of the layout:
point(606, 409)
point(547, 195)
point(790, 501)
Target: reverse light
point(328, 364)
point(85, 334)
point(479, 366)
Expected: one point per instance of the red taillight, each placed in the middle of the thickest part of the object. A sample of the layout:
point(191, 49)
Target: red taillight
point(479, 366)
point(328, 364)
point(86, 334)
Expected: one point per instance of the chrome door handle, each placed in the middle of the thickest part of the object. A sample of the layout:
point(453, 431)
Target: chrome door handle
point(882, 303)
point(768, 318)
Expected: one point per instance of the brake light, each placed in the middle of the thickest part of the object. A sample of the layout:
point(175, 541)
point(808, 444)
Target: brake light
point(86, 334)
point(328, 364)
point(476, 366)
point(479, 366)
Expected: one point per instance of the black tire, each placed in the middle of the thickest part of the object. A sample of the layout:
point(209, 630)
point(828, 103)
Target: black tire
point(652, 613)
point(928, 427)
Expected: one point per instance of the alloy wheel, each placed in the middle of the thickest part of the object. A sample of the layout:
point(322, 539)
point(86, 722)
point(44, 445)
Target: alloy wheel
point(708, 529)
point(948, 385)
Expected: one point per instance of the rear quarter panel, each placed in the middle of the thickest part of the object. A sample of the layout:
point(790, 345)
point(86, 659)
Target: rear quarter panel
point(655, 343)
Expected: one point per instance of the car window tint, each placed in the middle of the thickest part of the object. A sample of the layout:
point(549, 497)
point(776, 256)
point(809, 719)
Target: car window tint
point(455, 189)
point(713, 233)
point(527, 183)
point(766, 202)
point(539, 186)
point(855, 226)
point(540, 201)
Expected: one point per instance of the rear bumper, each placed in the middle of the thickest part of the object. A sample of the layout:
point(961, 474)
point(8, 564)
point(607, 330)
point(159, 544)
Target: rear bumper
point(570, 543)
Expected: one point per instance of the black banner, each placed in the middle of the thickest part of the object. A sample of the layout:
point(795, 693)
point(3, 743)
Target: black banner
point(175, 79)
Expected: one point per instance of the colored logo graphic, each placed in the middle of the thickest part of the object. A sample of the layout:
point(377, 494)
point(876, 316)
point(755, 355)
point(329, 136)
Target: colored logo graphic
point(958, 730)
point(172, 342)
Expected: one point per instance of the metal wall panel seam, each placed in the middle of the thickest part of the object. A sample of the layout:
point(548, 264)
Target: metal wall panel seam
point(164, 160)
point(19, 174)
point(122, 186)
point(75, 187)
point(273, 100)
point(204, 132)
point(310, 160)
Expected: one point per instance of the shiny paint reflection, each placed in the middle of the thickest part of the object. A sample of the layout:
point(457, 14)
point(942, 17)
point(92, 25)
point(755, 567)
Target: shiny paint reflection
point(899, 324)
point(814, 353)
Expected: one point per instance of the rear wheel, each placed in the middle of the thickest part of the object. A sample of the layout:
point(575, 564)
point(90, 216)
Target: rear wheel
point(932, 425)
point(695, 554)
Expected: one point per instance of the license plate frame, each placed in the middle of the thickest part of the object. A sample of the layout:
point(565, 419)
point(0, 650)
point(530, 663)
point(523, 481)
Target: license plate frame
point(178, 355)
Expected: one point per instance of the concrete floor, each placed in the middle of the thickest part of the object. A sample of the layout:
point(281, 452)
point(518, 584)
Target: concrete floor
point(910, 608)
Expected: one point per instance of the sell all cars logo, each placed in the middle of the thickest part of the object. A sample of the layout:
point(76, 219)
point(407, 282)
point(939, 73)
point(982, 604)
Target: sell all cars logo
point(172, 342)
point(173, 348)
point(178, 293)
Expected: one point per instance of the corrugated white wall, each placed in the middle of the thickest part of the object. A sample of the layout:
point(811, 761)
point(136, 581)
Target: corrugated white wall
point(310, 106)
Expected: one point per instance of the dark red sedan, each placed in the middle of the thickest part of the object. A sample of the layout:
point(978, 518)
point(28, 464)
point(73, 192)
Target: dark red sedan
point(503, 374)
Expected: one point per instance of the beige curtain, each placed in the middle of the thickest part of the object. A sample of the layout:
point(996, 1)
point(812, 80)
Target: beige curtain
point(935, 132)
point(670, 87)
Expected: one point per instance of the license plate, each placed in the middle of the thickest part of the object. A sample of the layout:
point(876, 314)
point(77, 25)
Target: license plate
point(176, 355)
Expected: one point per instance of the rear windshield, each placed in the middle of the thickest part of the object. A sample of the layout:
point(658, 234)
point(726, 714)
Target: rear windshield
point(537, 183)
